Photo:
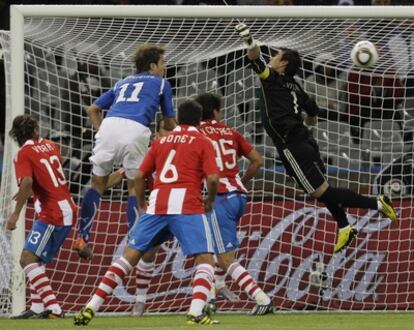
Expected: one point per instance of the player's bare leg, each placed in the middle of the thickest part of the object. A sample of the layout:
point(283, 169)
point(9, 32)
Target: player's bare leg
point(88, 210)
point(264, 304)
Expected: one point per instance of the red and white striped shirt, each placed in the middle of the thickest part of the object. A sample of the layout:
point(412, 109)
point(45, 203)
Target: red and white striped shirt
point(41, 160)
point(182, 160)
point(229, 145)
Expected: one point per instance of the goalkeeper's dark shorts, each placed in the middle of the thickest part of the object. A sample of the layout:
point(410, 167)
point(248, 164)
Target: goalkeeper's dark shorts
point(303, 162)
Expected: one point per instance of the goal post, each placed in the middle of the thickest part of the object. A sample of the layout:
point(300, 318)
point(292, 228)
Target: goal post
point(58, 58)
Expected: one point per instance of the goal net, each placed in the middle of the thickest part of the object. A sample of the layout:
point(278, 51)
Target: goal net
point(365, 136)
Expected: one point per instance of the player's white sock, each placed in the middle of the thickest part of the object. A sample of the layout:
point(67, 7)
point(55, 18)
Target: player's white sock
point(144, 276)
point(219, 276)
point(247, 283)
point(41, 285)
point(202, 283)
point(113, 277)
point(36, 301)
point(262, 298)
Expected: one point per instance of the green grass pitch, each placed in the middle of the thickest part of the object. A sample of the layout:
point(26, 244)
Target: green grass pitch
point(291, 321)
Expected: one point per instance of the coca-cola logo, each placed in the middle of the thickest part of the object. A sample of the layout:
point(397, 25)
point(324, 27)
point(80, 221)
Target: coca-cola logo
point(290, 269)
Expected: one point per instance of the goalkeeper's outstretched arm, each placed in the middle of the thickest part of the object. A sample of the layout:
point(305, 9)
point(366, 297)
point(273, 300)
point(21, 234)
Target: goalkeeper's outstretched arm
point(253, 50)
point(259, 65)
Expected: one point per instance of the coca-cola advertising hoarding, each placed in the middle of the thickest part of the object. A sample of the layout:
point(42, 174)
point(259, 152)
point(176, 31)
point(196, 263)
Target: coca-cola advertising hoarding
point(281, 242)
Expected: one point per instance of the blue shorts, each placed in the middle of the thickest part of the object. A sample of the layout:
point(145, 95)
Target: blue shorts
point(191, 230)
point(45, 240)
point(227, 211)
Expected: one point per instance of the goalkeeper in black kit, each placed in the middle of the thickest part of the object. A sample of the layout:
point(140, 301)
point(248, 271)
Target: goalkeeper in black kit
point(284, 102)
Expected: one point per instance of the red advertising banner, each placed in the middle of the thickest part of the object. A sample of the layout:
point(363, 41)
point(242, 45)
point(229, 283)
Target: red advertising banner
point(281, 242)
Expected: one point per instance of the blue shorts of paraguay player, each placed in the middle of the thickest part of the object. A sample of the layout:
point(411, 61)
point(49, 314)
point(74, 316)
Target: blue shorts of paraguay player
point(45, 240)
point(191, 230)
point(227, 211)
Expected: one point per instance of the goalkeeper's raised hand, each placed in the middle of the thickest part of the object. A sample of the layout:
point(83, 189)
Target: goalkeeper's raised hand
point(244, 33)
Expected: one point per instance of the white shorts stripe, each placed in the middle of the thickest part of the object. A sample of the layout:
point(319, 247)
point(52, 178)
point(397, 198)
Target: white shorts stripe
point(208, 234)
point(302, 178)
point(45, 239)
point(217, 233)
point(176, 200)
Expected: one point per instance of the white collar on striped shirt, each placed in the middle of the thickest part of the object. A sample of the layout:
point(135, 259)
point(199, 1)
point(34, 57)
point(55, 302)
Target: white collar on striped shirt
point(178, 128)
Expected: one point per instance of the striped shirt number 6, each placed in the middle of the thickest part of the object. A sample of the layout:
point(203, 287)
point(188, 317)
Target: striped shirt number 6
point(169, 169)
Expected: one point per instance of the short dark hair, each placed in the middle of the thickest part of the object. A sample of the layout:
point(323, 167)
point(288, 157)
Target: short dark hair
point(209, 102)
point(189, 113)
point(293, 58)
point(23, 128)
point(146, 54)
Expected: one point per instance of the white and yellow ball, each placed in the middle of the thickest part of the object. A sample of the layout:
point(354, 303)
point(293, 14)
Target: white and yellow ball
point(364, 54)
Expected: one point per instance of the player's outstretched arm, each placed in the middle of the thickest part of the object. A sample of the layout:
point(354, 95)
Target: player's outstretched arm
point(94, 113)
point(255, 162)
point(25, 191)
point(212, 187)
point(140, 191)
point(253, 50)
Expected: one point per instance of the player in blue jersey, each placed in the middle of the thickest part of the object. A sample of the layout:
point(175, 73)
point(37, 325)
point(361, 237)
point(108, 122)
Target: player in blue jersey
point(123, 135)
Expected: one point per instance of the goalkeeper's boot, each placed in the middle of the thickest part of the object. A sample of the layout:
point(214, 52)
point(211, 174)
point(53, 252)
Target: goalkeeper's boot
point(27, 314)
point(387, 208)
point(345, 238)
point(210, 307)
point(138, 309)
point(263, 309)
point(227, 294)
point(84, 316)
point(200, 319)
point(81, 246)
point(48, 314)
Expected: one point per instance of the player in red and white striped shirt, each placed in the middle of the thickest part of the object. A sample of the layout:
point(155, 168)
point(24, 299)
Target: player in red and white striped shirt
point(182, 161)
point(231, 200)
point(39, 172)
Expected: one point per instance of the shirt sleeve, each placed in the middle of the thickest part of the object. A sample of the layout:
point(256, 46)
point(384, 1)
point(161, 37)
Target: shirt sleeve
point(243, 147)
point(259, 66)
point(23, 166)
point(148, 164)
point(106, 99)
point(209, 159)
point(166, 100)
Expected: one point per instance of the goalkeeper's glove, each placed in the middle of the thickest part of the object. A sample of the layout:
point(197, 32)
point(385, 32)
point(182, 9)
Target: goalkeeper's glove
point(244, 33)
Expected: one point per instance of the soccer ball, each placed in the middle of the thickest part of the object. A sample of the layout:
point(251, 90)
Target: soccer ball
point(364, 54)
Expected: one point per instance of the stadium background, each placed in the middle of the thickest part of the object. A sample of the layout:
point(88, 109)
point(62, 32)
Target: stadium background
point(309, 299)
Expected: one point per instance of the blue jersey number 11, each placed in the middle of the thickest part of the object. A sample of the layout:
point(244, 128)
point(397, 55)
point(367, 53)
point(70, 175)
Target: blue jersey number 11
point(134, 95)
